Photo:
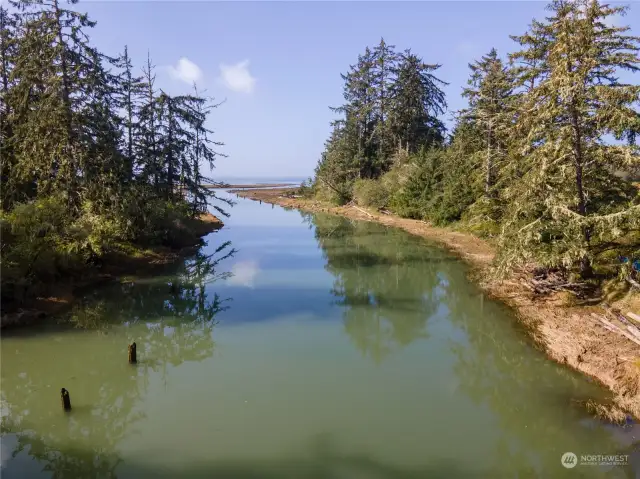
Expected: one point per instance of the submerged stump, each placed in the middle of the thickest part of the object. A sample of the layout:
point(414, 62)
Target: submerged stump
point(66, 400)
point(132, 354)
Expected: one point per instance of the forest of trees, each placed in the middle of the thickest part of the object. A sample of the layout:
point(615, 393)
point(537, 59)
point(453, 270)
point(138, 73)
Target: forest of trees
point(94, 156)
point(543, 160)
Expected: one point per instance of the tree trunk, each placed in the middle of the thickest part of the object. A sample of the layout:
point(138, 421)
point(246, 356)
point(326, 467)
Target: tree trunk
point(129, 119)
point(488, 182)
point(169, 158)
point(66, 101)
point(586, 269)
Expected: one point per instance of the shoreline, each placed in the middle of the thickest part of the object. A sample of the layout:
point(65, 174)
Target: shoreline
point(115, 267)
point(225, 186)
point(568, 334)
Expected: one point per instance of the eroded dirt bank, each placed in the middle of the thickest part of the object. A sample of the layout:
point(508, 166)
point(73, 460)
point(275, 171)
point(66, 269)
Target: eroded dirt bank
point(569, 334)
point(114, 266)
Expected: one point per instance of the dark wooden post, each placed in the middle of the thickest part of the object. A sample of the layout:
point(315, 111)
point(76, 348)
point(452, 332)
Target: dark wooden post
point(132, 353)
point(66, 400)
point(260, 201)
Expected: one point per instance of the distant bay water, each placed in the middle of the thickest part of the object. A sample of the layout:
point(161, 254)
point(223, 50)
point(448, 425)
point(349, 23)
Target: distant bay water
point(241, 180)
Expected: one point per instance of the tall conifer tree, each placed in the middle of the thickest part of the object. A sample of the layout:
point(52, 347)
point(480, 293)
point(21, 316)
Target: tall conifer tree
point(569, 206)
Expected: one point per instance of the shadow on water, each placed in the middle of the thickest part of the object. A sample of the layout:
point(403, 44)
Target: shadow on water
point(170, 318)
point(321, 461)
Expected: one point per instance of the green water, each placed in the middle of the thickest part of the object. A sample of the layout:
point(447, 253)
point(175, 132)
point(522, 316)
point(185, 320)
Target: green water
point(306, 347)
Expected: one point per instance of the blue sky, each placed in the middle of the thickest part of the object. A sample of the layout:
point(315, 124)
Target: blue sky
point(278, 64)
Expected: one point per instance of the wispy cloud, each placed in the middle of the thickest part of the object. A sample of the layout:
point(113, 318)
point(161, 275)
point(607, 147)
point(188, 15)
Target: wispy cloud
point(237, 77)
point(186, 71)
point(243, 273)
point(467, 50)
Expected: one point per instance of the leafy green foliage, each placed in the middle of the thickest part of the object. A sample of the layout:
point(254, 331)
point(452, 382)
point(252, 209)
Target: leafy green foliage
point(370, 193)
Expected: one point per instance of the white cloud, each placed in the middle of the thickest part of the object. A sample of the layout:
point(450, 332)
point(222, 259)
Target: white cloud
point(243, 273)
point(237, 77)
point(186, 71)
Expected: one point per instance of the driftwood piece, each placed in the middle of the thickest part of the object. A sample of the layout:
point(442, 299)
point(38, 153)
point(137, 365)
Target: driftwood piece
point(604, 325)
point(631, 327)
point(366, 213)
point(617, 329)
point(634, 316)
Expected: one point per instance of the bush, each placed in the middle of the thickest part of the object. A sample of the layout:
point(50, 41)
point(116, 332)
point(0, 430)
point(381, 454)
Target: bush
point(483, 218)
point(343, 197)
point(371, 193)
point(419, 181)
point(32, 243)
point(306, 189)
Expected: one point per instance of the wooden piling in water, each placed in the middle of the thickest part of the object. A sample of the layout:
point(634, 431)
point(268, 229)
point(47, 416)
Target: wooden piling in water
point(132, 354)
point(66, 400)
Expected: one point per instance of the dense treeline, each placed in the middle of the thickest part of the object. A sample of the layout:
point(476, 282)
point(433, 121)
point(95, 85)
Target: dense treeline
point(94, 156)
point(543, 159)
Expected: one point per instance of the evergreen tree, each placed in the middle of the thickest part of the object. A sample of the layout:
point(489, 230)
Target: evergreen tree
point(417, 100)
point(530, 64)
point(90, 160)
point(489, 95)
point(131, 94)
point(359, 121)
point(384, 61)
point(57, 72)
point(568, 207)
point(338, 167)
point(148, 151)
point(8, 45)
point(202, 153)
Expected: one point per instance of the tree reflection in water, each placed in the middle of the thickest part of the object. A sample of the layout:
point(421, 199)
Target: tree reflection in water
point(391, 284)
point(387, 281)
point(171, 318)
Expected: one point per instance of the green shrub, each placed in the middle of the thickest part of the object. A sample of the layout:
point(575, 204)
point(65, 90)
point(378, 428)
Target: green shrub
point(334, 197)
point(33, 235)
point(370, 193)
point(483, 217)
point(306, 189)
point(419, 181)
